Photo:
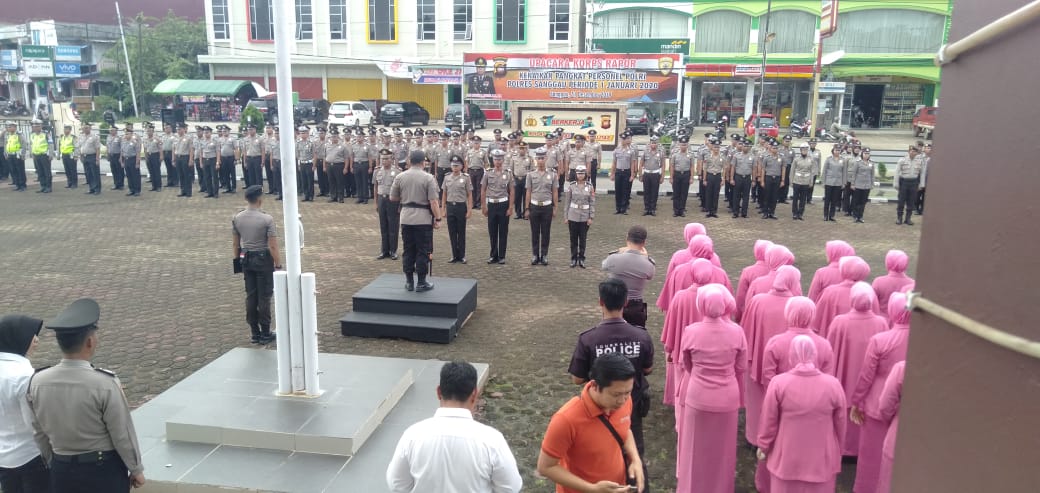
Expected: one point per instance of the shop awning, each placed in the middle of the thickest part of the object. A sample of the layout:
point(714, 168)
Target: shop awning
point(184, 87)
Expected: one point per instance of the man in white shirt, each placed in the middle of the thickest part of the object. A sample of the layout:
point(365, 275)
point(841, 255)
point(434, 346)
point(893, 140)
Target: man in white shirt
point(450, 452)
point(22, 470)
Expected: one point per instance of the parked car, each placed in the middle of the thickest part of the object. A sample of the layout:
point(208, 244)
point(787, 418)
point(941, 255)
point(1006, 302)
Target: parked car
point(639, 119)
point(311, 110)
point(924, 121)
point(405, 113)
point(268, 107)
point(765, 123)
point(349, 113)
point(474, 115)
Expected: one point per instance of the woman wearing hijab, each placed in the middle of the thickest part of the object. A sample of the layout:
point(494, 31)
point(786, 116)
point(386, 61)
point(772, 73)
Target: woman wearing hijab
point(835, 299)
point(802, 425)
point(681, 313)
point(21, 467)
point(884, 350)
point(752, 272)
point(896, 262)
point(891, 396)
point(763, 320)
point(776, 257)
point(829, 274)
point(849, 335)
point(714, 353)
point(701, 246)
point(682, 256)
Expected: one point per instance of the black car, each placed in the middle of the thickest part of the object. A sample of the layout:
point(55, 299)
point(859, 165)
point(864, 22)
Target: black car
point(639, 120)
point(405, 113)
point(474, 115)
point(311, 110)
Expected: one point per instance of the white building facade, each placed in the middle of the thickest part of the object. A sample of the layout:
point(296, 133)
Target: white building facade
point(369, 49)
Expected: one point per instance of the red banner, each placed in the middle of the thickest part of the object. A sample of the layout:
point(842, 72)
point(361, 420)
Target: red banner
point(581, 77)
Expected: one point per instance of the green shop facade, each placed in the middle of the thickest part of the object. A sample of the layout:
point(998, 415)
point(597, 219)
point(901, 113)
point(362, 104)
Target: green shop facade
point(885, 74)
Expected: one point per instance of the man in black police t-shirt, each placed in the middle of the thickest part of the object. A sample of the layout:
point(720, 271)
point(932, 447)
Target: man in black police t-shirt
point(615, 335)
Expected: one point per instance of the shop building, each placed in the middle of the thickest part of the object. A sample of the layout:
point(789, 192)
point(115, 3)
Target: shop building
point(404, 50)
point(885, 74)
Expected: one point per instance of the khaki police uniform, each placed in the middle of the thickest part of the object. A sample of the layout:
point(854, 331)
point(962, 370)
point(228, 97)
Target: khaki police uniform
point(457, 194)
point(497, 187)
point(579, 202)
point(389, 212)
point(88, 147)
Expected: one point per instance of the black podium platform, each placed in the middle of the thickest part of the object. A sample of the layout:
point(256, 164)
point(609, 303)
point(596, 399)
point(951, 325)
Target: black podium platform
point(385, 309)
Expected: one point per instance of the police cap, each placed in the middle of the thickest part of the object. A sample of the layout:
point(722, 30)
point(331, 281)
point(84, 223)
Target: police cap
point(480, 62)
point(540, 152)
point(580, 168)
point(654, 138)
point(497, 131)
point(456, 161)
point(498, 154)
point(68, 126)
point(371, 131)
point(386, 152)
point(334, 131)
point(80, 316)
point(254, 192)
point(419, 132)
point(734, 136)
point(712, 141)
point(10, 123)
point(592, 132)
point(803, 145)
point(684, 140)
point(579, 137)
point(788, 138)
point(36, 122)
point(812, 140)
point(866, 150)
point(523, 145)
point(408, 133)
point(321, 130)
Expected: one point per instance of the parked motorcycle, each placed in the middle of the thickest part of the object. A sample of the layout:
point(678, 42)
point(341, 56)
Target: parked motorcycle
point(799, 129)
point(825, 136)
point(14, 108)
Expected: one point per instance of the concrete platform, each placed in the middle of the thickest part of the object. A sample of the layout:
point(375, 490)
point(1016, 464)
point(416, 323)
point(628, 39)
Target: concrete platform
point(223, 429)
point(384, 308)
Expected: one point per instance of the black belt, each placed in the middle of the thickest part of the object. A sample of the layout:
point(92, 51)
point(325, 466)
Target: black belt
point(256, 252)
point(743, 176)
point(413, 205)
point(86, 458)
point(456, 203)
point(714, 174)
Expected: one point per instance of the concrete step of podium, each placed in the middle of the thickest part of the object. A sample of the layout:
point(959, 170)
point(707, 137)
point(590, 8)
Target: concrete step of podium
point(412, 327)
point(451, 297)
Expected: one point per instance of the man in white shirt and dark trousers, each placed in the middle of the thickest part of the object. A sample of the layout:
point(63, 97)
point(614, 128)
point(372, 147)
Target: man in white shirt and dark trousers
point(450, 452)
point(22, 470)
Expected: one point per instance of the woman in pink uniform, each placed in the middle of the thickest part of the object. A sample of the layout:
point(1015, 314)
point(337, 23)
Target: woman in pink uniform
point(714, 352)
point(849, 335)
point(682, 256)
point(883, 352)
point(776, 257)
point(763, 320)
point(802, 425)
point(829, 274)
point(896, 262)
point(835, 299)
point(681, 313)
point(891, 396)
point(701, 246)
point(752, 272)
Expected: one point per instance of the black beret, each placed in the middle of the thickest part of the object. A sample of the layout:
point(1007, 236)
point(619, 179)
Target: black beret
point(254, 191)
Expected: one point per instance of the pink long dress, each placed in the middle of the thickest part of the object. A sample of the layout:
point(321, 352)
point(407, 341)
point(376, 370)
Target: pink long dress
point(681, 312)
point(763, 320)
point(835, 299)
point(750, 273)
point(829, 274)
point(776, 256)
point(680, 279)
point(891, 396)
point(682, 256)
point(802, 426)
point(896, 262)
point(714, 352)
point(884, 350)
point(849, 335)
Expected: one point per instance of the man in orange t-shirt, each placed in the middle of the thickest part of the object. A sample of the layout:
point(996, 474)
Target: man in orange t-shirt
point(579, 452)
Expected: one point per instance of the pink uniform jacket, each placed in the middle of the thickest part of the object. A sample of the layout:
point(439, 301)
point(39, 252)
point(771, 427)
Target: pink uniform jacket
point(829, 274)
point(891, 396)
point(681, 312)
point(750, 273)
point(714, 355)
point(884, 350)
point(776, 256)
point(896, 262)
point(835, 299)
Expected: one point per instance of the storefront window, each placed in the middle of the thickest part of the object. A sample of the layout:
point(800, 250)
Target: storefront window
point(722, 99)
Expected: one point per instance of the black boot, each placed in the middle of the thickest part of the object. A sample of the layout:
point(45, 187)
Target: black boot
point(255, 331)
point(899, 218)
point(266, 337)
point(907, 221)
point(574, 262)
point(581, 262)
point(423, 286)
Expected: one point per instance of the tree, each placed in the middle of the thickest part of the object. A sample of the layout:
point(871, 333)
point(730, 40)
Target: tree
point(158, 49)
point(251, 115)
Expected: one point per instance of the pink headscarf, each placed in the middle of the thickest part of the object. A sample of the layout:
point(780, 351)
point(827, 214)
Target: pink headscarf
point(760, 250)
point(702, 272)
point(897, 312)
point(803, 353)
point(693, 229)
point(862, 297)
point(836, 249)
point(778, 255)
point(787, 278)
point(799, 312)
point(853, 268)
point(896, 261)
point(701, 246)
point(711, 301)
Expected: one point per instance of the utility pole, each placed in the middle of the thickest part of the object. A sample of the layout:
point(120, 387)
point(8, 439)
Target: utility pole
point(762, 83)
point(140, 55)
point(126, 57)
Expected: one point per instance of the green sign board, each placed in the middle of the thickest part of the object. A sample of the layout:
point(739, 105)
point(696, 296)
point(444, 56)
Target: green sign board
point(36, 52)
point(651, 45)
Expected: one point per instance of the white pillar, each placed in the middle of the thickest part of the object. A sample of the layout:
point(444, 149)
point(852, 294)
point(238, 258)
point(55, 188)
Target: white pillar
point(310, 334)
point(281, 323)
point(749, 101)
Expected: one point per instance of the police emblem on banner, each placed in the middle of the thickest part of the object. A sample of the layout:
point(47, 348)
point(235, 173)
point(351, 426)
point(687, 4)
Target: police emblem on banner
point(665, 64)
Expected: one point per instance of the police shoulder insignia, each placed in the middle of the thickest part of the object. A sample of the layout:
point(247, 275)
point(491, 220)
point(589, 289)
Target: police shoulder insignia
point(613, 252)
point(106, 372)
point(38, 370)
point(651, 259)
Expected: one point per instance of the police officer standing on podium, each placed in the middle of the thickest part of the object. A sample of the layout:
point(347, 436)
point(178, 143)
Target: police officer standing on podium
point(255, 244)
point(82, 420)
point(420, 215)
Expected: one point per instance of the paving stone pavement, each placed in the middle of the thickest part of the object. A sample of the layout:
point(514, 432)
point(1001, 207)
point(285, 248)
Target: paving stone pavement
point(160, 268)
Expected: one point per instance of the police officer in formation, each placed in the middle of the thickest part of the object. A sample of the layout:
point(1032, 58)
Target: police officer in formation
point(273, 150)
point(319, 162)
point(336, 156)
point(595, 151)
point(389, 212)
point(152, 145)
point(770, 177)
point(740, 175)
point(476, 161)
point(457, 204)
point(252, 146)
point(230, 154)
point(115, 161)
point(579, 202)
point(712, 168)
point(927, 158)
point(16, 147)
point(130, 154)
point(255, 240)
point(540, 195)
point(497, 188)
point(416, 190)
point(681, 163)
point(520, 164)
point(787, 155)
point(305, 162)
point(817, 160)
point(82, 421)
point(908, 182)
point(802, 176)
point(183, 154)
point(40, 149)
point(66, 152)
point(200, 166)
point(168, 140)
point(861, 175)
point(210, 150)
point(649, 171)
point(362, 150)
point(88, 150)
point(850, 155)
point(625, 156)
point(834, 180)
